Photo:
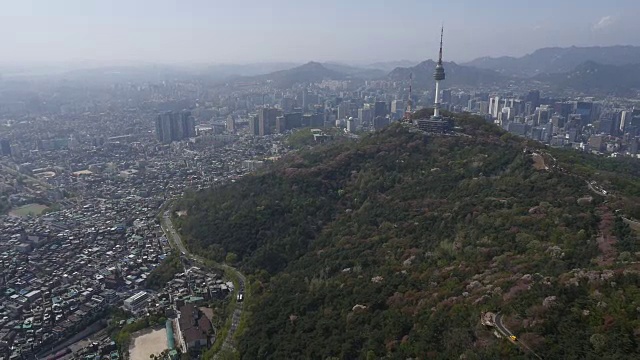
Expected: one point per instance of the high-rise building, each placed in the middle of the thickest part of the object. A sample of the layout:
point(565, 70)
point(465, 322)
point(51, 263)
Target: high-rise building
point(287, 104)
point(163, 128)
point(267, 120)
point(380, 109)
point(314, 120)
point(635, 118)
point(609, 123)
point(585, 110)
point(544, 115)
point(505, 115)
point(483, 107)
point(254, 125)
point(446, 96)
point(281, 124)
point(317, 120)
point(351, 127)
point(365, 116)
point(596, 142)
point(397, 108)
point(528, 108)
point(174, 126)
point(534, 98)
point(558, 121)
point(397, 105)
point(563, 109)
point(518, 108)
point(305, 101)
point(231, 124)
point(494, 106)
point(518, 128)
point(343, 110)
point(472, 105)
point(5, 147)
point(625, 119)
point(380, 122)
point(188, 123)
point(293, 120)
point(547, 133)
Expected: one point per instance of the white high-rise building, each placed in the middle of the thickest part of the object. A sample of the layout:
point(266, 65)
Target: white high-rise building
point(494, 106)
point(397, 106)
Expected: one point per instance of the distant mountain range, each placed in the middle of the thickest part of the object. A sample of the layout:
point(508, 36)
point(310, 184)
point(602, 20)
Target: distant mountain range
point(422, 74)
point(558, 60)
point(610, 70)
point(587, 77)
point(356, 71)
point(457, 75)
point(229, 70)
point(391, 65)
point(592, 77)
point(310, 72)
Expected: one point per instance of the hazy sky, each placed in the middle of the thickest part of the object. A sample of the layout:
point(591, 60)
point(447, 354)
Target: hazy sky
point(363, 31)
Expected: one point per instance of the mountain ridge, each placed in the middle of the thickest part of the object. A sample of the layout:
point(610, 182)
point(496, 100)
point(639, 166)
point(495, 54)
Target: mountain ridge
point(393, 245)
point(457, 75)
point(593, 77)
point(558, 59)
point(307, 73)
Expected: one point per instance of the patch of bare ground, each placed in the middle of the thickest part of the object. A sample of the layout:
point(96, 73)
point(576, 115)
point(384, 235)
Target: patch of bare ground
point(538, 162)
point(634, 225)
point(606, 240)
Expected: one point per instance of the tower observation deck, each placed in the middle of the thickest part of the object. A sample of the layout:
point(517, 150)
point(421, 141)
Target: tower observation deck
point(437, 124)
point(438, 75)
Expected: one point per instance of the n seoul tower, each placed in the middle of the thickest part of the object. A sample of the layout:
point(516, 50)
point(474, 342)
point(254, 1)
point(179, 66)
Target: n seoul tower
point(438, 75)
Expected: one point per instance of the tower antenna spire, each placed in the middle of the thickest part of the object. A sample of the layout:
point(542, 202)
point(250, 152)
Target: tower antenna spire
point(441, 38)
point(410, 91)
point(409, 107)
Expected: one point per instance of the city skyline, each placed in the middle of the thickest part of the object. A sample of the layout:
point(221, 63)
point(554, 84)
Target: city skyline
point(286, 31)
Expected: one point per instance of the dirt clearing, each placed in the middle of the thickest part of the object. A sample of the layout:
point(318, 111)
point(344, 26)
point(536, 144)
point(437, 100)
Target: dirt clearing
point(146, 343)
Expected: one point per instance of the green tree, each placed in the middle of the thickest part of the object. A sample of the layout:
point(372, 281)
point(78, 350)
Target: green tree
point(231, 258)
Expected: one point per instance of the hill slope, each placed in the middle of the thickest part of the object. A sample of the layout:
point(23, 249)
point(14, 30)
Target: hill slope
point(457, 75)
point(558, 60)
point(393, 246)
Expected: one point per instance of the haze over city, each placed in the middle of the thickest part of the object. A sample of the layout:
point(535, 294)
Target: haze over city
point(240, 180)
point(198, 31)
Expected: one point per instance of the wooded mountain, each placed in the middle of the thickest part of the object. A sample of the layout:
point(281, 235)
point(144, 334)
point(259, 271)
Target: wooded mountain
point(224, 71)
point(591, 77)
point(422, 74)
point(392, 246)
point(356, 71)
point(457, 75)
point(389, 66)
point(307, 73)
point(558, 60)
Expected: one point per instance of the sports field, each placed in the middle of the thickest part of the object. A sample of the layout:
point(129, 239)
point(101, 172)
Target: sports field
point(29, 209)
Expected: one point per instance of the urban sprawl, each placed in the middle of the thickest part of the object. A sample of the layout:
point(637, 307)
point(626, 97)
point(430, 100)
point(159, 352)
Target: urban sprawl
point(88, 166)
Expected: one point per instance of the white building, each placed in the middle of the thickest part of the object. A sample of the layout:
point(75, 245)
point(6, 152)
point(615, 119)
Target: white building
point(137, 302)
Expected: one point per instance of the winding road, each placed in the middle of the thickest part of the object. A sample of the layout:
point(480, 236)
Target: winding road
point(176, 239)
point(507, 333)
point(600, 191)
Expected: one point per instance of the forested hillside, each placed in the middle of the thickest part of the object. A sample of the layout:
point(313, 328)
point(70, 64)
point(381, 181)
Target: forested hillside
point(392, 247)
